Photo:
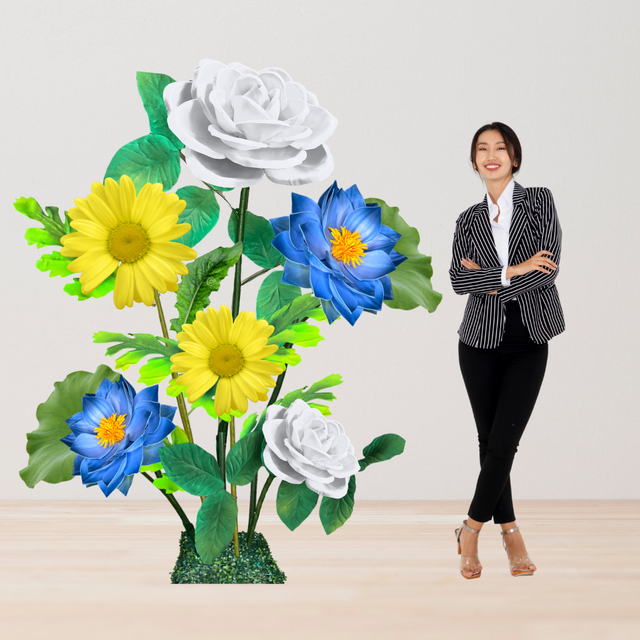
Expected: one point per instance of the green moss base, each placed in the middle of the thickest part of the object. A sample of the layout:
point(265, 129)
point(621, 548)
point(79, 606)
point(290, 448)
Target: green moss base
point(254, 566)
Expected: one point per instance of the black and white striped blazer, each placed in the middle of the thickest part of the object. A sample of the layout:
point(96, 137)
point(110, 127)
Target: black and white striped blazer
point(534, 227)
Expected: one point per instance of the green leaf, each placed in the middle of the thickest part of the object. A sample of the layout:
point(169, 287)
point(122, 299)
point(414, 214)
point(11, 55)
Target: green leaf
point(274, 294)
point(166, 484)
point(314, 391)
point(204, 277)
point(202, 213)
point(155, 371)
point(334, 512)
point(75, 288)
point(300, 333)
point(258, 235)
point(293, 312)
point(382, 448)
point(411, 280)
point(56, 263)
point(141, 346)
point(54, 227)
point(178, 436)
point(324, 410)
point(151, 158)
point(285, 356)
point(192, 468)
point(49, 459)
point(294, 503)
point(150, 88)
point(151, 467)
point(248, 424)
point(215, 525)
point(244, 459)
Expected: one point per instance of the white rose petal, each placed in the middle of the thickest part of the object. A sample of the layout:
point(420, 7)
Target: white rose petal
point(280, 468)
point(317, 166)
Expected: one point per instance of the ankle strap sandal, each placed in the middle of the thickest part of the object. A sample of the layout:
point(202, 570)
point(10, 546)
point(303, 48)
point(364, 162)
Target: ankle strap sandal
point(518, 565)
point(468, 564)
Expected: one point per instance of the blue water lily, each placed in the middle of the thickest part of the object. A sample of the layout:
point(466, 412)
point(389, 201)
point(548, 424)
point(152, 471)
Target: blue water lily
point(339, 248)
point(117, 431)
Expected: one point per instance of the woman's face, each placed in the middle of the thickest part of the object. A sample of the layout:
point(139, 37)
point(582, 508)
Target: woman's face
point(491, 150)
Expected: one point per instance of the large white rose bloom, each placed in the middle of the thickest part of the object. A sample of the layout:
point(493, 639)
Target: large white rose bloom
point(305, 446)
point(237, 124)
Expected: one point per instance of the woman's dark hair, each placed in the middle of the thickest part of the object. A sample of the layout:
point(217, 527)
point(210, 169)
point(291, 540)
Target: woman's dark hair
point(511, 140)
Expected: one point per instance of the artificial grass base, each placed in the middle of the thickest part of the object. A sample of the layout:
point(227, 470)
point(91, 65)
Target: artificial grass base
point(254, 566)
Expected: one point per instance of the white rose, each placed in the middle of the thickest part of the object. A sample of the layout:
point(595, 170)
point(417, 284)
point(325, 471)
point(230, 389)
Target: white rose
point(237, 123)
point(305, 446)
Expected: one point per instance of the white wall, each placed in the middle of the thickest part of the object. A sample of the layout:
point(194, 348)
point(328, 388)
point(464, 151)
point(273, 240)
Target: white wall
point(410, 83)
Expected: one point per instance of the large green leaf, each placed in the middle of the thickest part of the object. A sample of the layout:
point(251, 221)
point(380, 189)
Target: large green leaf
point(49, 459)
point(382, 448)
point(55, 263)
point(300, 333)
point(334, 512)
point(75, 288)
point(54, 226)
point(139, 346)
point(244, 459)
point(202, 213)
point(294, 503)
point(285, 356)
point(258, 234)
point(215, 525)
point(314, 392)
point(192, 468)
point(411, 280)
point(204, 277)
point(150, 88)
point(151, 158)
point(293, 312)
point(274, 294)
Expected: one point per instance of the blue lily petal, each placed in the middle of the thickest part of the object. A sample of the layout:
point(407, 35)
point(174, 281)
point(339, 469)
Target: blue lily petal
point(318, 264)
point(320, 284)
point(300, 203)
point(68, 440)
point(374, 265)
point(344, 310)
point(383, 243)
point(366, 221)
point(369, 302)
point(138, 424)
point(77, 461)
point(355, 197)
point(167, 411)
point(115, 471)
point(133, 462)
point(95, 409)
point(390, 233)
point(164, 429)
point(119, 401)
point(124, 486)
point(81, 427)
point(342, 294)
point(296, 274)
point(313, 235)
point(150, 454)
point(396, 257)
point(295, 235)
point(87, 446)
point(76, 417)
point(282, 242)
point(331, 213)
point(386, 285)
point(279, 224)
point(104, 388)
point(128, 389)
point(149, 394)
point(329, 310)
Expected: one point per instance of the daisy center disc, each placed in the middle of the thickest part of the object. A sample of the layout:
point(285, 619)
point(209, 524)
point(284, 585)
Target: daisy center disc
point(111, 430)
point(128, 242)
point(346, 246)
point(226, 360)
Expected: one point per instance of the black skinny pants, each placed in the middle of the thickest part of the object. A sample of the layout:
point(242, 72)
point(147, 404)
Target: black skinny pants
point(503, 385)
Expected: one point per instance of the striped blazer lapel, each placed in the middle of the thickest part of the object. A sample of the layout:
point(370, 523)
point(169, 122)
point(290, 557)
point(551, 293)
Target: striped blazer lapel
point(482, 236)
point(519, 220)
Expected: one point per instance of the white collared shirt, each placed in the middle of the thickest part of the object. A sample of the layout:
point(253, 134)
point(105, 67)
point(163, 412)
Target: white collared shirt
point(501, 228)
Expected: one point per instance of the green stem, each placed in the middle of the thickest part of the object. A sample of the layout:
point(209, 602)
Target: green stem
point(184, 416)
point(255, 275)
point(237, 280)
point(232, 441)
point(174, 503)
point(252, 527)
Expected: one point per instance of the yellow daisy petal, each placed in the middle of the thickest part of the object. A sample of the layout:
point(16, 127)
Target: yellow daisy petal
point(123, 290)
point(222, 401)
point(226, 320)
point(238, 400)
point(92, 229)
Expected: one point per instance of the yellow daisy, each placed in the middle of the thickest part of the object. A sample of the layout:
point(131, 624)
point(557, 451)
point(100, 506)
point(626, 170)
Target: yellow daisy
point(229, 352)
point(114, 227)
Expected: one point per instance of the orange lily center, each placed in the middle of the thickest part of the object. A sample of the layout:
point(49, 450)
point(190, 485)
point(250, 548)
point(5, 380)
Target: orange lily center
point(111, 430)
point(347, 246)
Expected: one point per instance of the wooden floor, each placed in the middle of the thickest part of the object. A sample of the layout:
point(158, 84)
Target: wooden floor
point(100, 570)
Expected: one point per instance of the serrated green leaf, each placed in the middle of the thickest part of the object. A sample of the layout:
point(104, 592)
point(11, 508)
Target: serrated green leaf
point(285, 356)
point(40, 237)
point(293, 312)
point(166, 484)
point(300, 333)
point(202, 213)
point(49, 459)
point(274, 294)
point(324, 410)
point(244, 459)
point(106, 286)
point(382, 448)
point(411, 279)
point(140, 345)
point(258, 234)
point(215, 525)
point(204, 277)
point(55, 263)
point(155, 371)
point(152, 467)
point(314, 391)
point(54, 227)
point(334, 512)
point(294, 503)
point(192, 468)
point(151, 158)
point(151, 87)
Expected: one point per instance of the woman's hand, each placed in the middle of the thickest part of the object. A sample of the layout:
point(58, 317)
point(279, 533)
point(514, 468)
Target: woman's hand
point(470, 264)
point(535, 263)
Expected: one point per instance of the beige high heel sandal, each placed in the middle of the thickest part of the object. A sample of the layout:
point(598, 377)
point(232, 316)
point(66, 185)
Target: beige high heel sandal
point(524, 560)
point(468, 563)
